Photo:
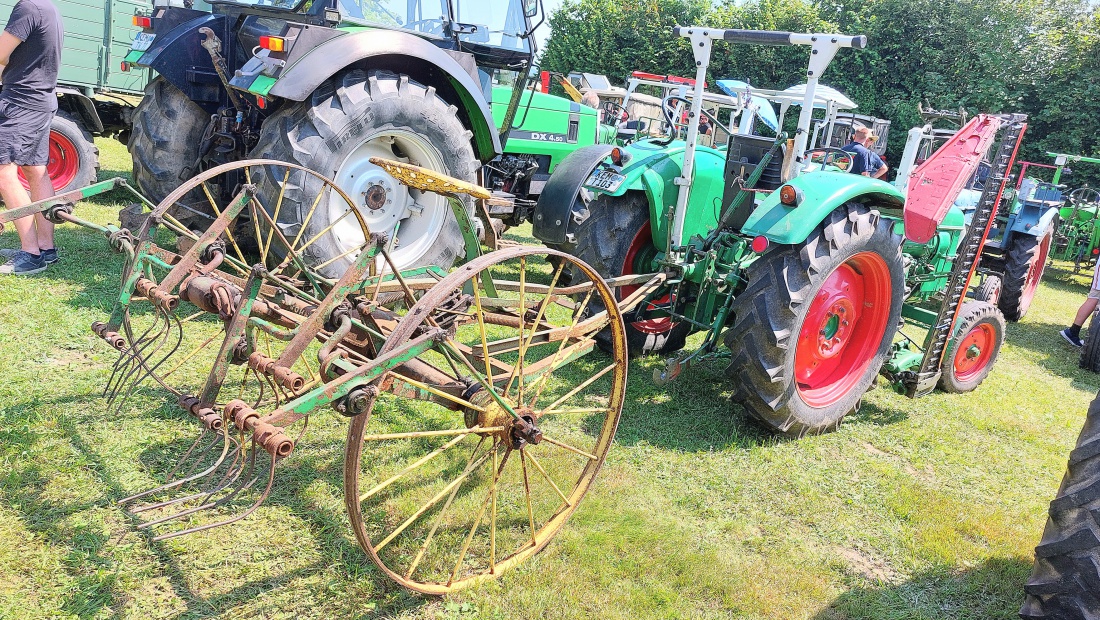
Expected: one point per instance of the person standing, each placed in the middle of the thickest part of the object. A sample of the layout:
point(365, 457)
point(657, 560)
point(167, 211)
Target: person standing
point(1072, 334)
point(30, 55)
point(864, 160)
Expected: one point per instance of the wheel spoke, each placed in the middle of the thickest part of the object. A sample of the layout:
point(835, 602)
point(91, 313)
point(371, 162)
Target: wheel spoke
point(577, 390)
point(527, 493)
point(545, 378)
point(545, 475)
point(433, 501)
point(218, 213)
point(446, 433)
point(477, 519)
point(523, 345)
point(481, 330)
point(565, 446)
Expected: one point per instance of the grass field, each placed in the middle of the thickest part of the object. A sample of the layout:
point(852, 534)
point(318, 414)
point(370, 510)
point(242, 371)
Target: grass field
point(913, 509)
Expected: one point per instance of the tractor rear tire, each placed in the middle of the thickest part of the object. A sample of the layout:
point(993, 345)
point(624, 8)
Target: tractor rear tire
point(165, 140)
point(74, 157)
point(350, 118)
point(1025, 262)
point(972, 351)
point(989, 290)
point(1065, 579)
point(1090, 351)
point(615, 239)
point(816, 322)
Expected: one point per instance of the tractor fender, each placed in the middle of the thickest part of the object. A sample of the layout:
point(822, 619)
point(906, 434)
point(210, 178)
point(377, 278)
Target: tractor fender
point(559, 209)
point(402, 53)
point(179, 57)
point(1033, 220)
point(822, 192)
point(83, 106)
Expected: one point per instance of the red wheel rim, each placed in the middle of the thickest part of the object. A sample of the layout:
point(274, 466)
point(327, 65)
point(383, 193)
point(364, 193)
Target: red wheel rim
point(1035, 273)
point(843, 329)
point(63, 165)
point(643, 241)
point(974, 352)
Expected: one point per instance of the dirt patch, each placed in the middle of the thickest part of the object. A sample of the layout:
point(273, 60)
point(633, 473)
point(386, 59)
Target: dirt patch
point(867, 566)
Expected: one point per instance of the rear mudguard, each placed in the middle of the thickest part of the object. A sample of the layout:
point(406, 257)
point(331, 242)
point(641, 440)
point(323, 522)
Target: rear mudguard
point(393, 51)
point(650, 168)
point(822, 192)
point(1033, 220)
point(177, 55)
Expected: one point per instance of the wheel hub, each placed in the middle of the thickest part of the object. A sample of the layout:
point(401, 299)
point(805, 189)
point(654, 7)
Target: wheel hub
point(377, 196)
point(835, 329)
point(516, 432)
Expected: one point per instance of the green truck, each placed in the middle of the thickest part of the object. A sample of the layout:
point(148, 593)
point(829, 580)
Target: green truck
point(96, 92)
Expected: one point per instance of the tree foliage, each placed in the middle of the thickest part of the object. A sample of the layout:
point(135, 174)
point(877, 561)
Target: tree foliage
point(1039, 57)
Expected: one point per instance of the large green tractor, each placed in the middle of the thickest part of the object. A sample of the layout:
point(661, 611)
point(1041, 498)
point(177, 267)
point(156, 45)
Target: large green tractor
point(797, 267)
point(328, 84)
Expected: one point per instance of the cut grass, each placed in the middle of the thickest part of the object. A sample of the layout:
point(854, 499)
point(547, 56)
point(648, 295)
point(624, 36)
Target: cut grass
point(913, 509)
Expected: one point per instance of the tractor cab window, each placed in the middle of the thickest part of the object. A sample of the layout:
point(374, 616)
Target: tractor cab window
point(424, 16)
point(493, 24)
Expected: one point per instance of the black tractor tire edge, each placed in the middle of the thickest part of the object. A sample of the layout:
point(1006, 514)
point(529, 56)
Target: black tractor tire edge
point(972, 314)
point(602, 241)
point(165, 140)
point(303, 133)
point(1025, 250)
point(1090, 351)
point(989, 290)
point(87, 152)
point(768, 314)
point(1065, 579)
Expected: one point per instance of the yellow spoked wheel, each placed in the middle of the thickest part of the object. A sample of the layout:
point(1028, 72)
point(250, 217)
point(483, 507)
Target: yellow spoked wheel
point(510, 421)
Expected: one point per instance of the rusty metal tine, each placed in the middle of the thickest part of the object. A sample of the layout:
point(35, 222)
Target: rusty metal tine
point(171, 484)
point(206, 504)
point(232, 474)
point(171, 475)
point(251, 509)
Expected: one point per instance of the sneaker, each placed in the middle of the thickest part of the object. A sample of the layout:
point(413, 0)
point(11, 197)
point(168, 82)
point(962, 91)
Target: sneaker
point(23, 264)
point(1076, 342)
point(50, 256)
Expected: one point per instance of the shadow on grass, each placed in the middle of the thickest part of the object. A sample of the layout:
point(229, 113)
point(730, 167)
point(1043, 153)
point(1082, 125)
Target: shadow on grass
point(1054, 354)
point(85, 548)
point(991, 590)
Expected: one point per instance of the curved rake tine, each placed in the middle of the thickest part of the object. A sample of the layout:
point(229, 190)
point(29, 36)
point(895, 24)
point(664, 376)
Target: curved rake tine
point(188, 478)
point(206, 504)
point(232, 474)
point(250, 510)
point(139, 352)
point(143, 357)
point(126, 358)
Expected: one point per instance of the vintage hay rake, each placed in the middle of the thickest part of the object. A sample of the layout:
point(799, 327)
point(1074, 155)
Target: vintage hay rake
point(497, 422)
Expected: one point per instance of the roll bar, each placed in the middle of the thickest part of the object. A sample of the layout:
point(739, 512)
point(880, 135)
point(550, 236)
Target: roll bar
point(773, 37)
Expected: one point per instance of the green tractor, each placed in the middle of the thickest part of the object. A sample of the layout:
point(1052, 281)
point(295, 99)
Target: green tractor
point(797, 267)
point(329, 84)
point(1078, 237)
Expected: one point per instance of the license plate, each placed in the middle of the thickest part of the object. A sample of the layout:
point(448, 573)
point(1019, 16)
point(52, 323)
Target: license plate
point(605, 180)
point(143, 41)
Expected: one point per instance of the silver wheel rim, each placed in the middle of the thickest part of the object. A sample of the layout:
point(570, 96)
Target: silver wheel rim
point(413, 220)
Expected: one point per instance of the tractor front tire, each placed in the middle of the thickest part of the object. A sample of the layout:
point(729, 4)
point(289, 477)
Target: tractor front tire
point(349, 119)
point(1025, 262)
point(816, 322)
point(165, 140)
point(1065, 579)
point(972, 351)
point(616, 240)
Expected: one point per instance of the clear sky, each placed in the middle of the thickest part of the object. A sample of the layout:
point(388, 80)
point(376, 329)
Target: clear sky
point(543, 32)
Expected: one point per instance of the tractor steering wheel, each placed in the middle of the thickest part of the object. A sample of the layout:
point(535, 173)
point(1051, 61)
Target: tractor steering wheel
point(1084, 195)
point(613, 113)
point(830, 156)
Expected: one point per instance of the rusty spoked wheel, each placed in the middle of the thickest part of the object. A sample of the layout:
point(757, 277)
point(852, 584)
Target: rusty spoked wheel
point(484, 465)
point(175, 326)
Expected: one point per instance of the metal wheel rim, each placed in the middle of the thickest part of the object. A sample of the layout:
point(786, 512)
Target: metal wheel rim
point(415, 234)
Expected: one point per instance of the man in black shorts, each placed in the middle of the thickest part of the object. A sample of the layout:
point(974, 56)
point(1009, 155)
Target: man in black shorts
point(30, 54)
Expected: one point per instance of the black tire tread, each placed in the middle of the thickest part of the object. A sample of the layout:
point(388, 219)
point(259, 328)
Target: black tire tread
point(164, 143)
point(301, 133)
point(602, 241)
point(1090, 352)
point(1018, 259)
point(989, 290)
point(1065, 579)
point(781, 284)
